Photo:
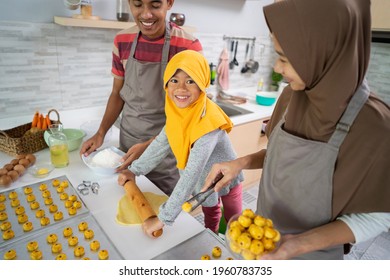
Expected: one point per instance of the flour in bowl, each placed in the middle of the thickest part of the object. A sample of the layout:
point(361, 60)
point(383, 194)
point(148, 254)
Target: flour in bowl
point(106, 158)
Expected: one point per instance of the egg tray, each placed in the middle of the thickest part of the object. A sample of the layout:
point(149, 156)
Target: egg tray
point(22, 253)
point(36, 222)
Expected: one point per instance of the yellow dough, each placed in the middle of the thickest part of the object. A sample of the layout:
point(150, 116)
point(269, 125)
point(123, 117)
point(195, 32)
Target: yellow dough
point(13, 195)
point(32, 246)
point(72, 198)
point(28, 190)
point(34, 205)
point(52, 238)
point(73, 241)
point(103, 255)
point(30, 197)
point(63, 196)
point(3, 216)
point(42, 187)
point(40, 213)
point(5, 225)
point(72, 211)
point(61, 257)
point(68, 203)
point(2, 197)
point(56, 183)
point(126, 213)
point(36, 255)
point(45, 221)
point(2, 207)
point(15, 202)
point(19, 210)
point(60, 189)
point(83, 226)
point(64, 184)
point(10, 254)
point(28, 226)
point(46, 194)
point(48, 201)
point(79, 251)
point(53, 208)
point(56, 248)
point(67, 232)
point(22, 218)
point(88, 234)
point(8, 234)
point(77, 204)
point(58, 216)
point(94, 245)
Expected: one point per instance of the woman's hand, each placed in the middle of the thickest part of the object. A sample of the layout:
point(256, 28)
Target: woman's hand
point(151, 225)
point(132, 154)
point(229, 170)
point(124, 176)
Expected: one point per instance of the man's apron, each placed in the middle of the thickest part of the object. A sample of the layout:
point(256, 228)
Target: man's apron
point(143, 114)
point(297, 180)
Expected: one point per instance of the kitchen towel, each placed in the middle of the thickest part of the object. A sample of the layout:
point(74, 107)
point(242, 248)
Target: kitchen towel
point(223, 70)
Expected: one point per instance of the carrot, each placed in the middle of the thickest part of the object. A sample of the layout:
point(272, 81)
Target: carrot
point(44, 123)
point(35, 119)
point(48, 121)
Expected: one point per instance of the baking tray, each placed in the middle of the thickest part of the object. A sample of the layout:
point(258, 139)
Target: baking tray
point(20, 245)
point(39, 233)
point(12, 217)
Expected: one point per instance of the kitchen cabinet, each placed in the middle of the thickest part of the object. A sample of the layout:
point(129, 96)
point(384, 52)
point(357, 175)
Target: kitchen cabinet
point(380, 13)
point(246, 139)
point(109, 24)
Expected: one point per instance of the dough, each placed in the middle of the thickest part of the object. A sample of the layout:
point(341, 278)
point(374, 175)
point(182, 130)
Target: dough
point(126, 213)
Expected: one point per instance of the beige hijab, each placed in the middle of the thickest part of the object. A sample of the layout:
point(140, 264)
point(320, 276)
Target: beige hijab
point(328, 44)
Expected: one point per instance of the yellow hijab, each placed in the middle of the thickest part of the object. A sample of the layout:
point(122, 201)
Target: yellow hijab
point(186, 125)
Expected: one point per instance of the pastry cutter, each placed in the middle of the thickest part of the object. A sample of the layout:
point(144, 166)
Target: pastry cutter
point(200, 197)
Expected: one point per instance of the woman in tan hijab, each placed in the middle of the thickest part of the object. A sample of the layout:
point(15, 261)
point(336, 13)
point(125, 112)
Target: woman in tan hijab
point(326, 179)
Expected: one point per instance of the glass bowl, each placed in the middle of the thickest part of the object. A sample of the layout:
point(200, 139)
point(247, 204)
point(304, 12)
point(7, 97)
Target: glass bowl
point(40, 170)
point(107, 165)
point(249, 236)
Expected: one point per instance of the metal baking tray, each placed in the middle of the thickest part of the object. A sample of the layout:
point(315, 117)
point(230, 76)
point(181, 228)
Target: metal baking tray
point(13, 217)
point(20, 244)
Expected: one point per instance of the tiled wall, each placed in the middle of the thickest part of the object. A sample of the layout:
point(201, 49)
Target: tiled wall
point(44, 66)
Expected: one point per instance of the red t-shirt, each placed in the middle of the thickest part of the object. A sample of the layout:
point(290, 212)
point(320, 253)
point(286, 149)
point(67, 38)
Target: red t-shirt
point(148, 50)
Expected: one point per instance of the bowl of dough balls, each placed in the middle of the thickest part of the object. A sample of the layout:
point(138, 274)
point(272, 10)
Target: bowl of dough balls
point(249, 236)
point(104, 161)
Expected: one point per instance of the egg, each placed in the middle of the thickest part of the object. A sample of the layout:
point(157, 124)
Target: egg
point(31, 158)
point(21, 156)
point(14, 161)
point(13, 174)
point(25, 162)
point(9, 166)
point(3, 171)
point(5, 180)
point(20, 169)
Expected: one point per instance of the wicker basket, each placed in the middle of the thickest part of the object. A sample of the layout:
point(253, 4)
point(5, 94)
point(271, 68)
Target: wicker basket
point(16, 141)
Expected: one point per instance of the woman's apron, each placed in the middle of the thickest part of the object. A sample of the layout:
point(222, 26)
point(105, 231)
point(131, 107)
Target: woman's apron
point(297, 180)
point(143, 114)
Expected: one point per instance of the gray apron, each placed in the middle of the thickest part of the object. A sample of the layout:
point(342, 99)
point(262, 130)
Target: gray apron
point(297, 180)
point(143, 114)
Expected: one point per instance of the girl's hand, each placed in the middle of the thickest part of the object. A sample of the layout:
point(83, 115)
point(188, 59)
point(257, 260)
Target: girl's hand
point(151, 225)
point(125, 175)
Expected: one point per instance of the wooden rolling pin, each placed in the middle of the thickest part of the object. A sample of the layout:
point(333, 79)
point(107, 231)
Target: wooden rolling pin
point(141, 205)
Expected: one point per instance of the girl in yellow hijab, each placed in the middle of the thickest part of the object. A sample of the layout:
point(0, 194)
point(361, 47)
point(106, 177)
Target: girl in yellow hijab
point(196, 132)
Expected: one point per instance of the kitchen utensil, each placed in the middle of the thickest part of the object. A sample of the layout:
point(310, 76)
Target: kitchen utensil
point(230, 98)
point(252, 65)
point(72, 4)
point(141, 205)
point(199, 198)
point(235, 54)
point(231, 63)
point(266, 98)
point(244, 69)
point(177, 18)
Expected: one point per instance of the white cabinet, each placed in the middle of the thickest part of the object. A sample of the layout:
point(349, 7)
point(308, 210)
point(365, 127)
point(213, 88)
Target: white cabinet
point(380, 13)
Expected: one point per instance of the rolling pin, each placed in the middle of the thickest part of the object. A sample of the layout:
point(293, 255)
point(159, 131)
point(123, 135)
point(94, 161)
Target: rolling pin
point(141, 205)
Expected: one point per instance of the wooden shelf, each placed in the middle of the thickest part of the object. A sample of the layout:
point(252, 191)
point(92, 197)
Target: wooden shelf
point(65, 21)
point(98, 23)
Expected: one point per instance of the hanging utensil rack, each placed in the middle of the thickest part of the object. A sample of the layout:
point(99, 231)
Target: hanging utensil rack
point(239, 38)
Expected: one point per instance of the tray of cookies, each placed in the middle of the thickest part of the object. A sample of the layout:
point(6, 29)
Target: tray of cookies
point(78, 238)
point(30, 208)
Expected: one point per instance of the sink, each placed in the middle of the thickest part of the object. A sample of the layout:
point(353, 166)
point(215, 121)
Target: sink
point(232, 110)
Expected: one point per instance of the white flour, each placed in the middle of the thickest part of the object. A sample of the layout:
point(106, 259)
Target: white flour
point(106, 158)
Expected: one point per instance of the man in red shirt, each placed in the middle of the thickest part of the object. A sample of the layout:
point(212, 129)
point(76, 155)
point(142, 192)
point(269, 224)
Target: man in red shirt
point(140, 55)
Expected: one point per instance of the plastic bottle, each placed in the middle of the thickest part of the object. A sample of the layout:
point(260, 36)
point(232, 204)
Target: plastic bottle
point(122, 10)
point(260, 85)
point(58, 144)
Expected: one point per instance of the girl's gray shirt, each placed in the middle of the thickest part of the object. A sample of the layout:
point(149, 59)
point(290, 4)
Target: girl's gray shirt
point(211, 148)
